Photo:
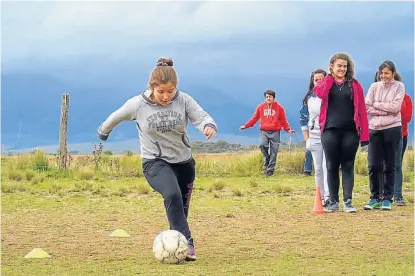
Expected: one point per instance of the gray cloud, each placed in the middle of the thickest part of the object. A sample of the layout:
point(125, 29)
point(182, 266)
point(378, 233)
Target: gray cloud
point(67, 30)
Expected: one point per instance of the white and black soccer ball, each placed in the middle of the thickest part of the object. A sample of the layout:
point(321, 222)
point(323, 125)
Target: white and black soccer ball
point(170, 246)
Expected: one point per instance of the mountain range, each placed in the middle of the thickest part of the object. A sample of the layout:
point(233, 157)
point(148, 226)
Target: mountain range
point(31, 104)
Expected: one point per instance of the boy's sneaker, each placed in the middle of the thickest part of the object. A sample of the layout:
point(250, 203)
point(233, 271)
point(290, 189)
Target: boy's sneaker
point(348, 207)
point(331, 207)
point(386, 205)
point(191, 253)
point(326, 202)
point(373, 204)
point(399, 202)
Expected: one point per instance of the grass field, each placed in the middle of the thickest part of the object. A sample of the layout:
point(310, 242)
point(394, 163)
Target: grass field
point(242, 223)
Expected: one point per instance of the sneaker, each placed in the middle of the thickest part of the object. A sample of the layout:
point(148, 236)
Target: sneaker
point(348, 207)
point(331, 207)
point(386, 205)
point(326, 202)
point(373, 204)
point(191, 253)
point(269, 173)
point(399, 202)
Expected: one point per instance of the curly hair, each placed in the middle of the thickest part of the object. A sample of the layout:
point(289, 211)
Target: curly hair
point(350, 68)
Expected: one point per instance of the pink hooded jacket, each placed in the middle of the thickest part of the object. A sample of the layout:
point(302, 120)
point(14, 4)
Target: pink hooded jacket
point(322, 90)
point(383, 104)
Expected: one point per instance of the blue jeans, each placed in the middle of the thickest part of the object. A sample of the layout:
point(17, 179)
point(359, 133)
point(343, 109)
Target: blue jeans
point(397, 188)
point(308, 162)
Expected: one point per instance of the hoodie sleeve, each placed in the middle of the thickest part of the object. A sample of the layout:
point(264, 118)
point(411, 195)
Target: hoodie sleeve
point(254, 118)
point(304, 117)
point(407, 110)
point(395, 105)
point(369, 100)
point(199, 117)
point(127, 112)
point(323, 87)
point(284, 122)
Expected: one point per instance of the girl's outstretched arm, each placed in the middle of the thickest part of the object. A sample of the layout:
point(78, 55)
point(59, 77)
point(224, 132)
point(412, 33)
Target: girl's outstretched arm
point(127, 112)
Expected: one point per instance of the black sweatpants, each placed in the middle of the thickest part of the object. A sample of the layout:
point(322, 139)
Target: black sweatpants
point(340, 147)
point(175, 183)
point(404, 144)
point(381, 158)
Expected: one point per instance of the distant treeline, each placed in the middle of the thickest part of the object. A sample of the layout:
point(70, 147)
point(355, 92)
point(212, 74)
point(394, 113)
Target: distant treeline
point(220, 146)
point(223, 146)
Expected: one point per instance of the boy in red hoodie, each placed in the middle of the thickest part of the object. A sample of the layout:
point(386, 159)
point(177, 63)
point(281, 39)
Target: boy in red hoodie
point(273, 119)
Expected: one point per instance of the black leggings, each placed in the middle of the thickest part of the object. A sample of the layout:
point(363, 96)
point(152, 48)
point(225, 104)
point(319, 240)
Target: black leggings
point(340, 147)
point(175, 183)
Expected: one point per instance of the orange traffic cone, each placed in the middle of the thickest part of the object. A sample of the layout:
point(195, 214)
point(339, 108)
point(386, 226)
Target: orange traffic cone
point(318, 206)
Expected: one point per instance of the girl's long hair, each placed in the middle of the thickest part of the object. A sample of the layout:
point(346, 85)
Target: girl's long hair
point(311, 85)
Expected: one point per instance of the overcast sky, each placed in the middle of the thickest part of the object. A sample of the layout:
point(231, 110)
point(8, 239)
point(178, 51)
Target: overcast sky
point(278, 37)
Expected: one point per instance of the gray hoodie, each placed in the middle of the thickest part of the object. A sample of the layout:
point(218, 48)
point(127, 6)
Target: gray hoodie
point(162, 129)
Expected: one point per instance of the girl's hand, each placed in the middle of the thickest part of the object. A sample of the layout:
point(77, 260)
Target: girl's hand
point(209, 132)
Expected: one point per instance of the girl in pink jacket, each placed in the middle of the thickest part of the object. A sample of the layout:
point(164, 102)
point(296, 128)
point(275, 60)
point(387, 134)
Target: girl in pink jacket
point(344, 125)
point(383, 104)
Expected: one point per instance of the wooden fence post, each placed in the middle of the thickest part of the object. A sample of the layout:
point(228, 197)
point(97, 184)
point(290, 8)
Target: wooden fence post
point(63, 150)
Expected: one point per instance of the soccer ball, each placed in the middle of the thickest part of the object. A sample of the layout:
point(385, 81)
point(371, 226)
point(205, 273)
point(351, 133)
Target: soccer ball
point(170, 246)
